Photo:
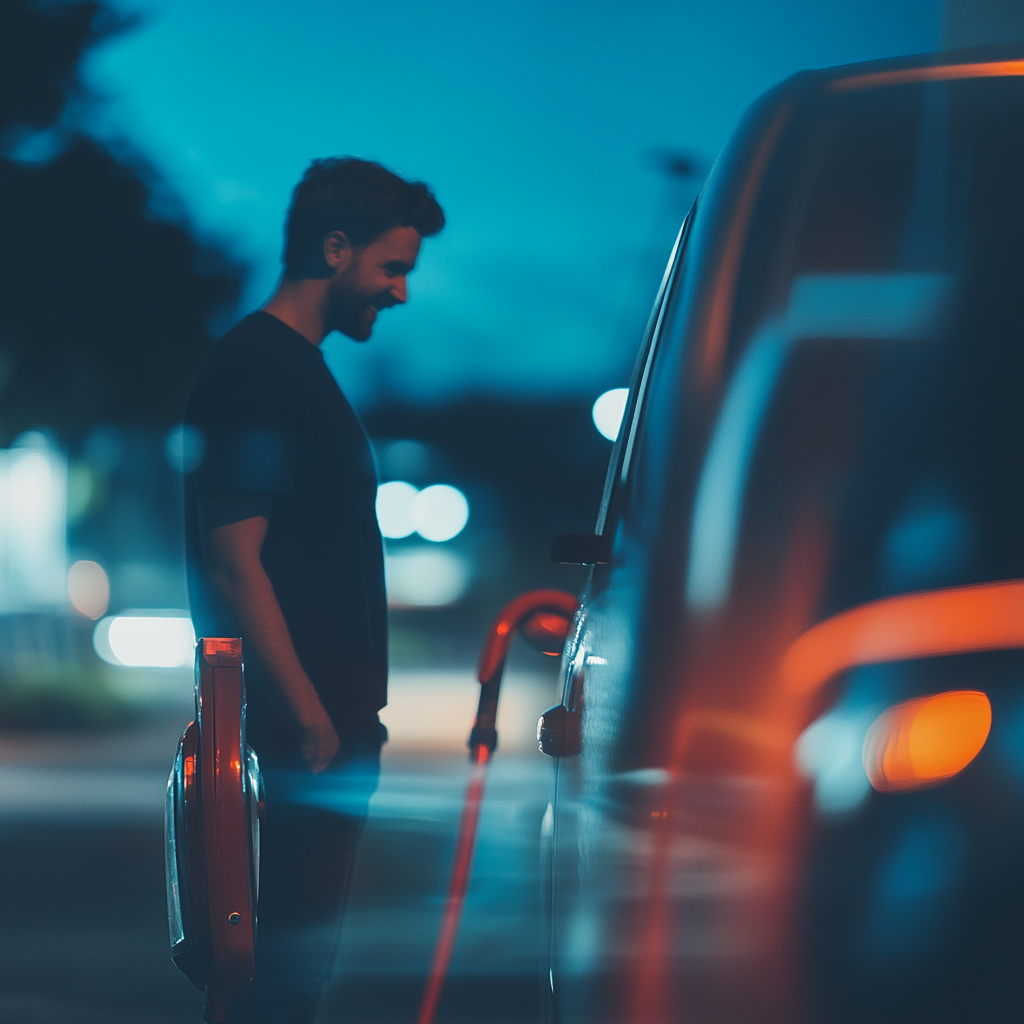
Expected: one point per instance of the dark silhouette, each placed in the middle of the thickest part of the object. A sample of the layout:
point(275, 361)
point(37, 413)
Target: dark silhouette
point(284, 550)
point(104, 303)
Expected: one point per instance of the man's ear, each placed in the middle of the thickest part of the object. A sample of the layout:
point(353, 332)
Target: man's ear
point(337, 250)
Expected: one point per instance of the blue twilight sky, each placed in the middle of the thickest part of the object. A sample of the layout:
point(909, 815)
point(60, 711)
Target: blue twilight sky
point(537, 124)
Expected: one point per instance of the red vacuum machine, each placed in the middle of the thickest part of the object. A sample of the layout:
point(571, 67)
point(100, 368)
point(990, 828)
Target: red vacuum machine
point(212, 831)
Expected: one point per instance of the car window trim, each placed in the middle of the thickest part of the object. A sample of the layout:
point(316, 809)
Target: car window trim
point(623, 451)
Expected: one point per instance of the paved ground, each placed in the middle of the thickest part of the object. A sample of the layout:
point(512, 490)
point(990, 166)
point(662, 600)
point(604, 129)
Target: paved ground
point(82, 915)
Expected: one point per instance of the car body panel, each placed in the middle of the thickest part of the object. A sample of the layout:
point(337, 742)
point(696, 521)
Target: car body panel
point(825, 415)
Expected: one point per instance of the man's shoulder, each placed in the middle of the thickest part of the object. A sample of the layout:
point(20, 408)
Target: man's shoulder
point(258, 336)
point(252, 363)
point(258, 346)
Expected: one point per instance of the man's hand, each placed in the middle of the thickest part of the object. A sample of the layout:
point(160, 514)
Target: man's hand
point(232, 555)
point(319, 744)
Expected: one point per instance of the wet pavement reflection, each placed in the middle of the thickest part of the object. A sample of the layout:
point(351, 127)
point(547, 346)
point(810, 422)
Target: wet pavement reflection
point(83, 933)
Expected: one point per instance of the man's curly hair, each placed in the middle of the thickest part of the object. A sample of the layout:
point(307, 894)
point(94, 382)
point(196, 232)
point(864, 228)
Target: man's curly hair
point(359, 197)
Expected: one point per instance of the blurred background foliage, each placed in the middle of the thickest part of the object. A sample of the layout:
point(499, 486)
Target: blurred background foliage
point(107, 302)
point(107, 296)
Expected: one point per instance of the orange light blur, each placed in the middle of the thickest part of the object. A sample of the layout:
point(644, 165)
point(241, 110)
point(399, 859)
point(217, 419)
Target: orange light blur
point(546, 631)
point(720, 312)
point(753, 729)
point(549, 622)
point(517, 610)
point(993, 69)
point(925, 741)
point(222, 645)
point(958, 620)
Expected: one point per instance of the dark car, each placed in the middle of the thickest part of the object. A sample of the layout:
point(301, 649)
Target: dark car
point(790, 775)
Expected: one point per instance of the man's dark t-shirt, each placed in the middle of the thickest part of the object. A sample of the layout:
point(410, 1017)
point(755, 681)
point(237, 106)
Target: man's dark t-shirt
point(282, 442)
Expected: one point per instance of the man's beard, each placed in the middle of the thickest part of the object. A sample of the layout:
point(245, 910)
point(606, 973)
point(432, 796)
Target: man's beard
point(355, 316)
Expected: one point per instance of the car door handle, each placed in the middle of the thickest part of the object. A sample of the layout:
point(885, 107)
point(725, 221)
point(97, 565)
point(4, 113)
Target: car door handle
point(558, 732)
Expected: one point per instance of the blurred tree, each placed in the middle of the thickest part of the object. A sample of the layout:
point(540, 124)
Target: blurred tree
point(104, 303)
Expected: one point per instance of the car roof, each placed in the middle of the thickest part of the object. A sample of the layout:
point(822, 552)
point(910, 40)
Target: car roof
point(817, 78)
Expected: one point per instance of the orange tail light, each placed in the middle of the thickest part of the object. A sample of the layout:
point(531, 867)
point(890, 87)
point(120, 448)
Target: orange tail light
point(925, 741)
point(985, 617)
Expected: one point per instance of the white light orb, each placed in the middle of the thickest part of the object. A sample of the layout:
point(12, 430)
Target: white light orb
point(89, 588)
point(440, 512)
point(829, 752)
point(608, 410)
point(425, 577)
point(395, 509)
point(145, 641)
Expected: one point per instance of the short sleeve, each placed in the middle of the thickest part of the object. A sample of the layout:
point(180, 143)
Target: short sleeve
point(248, 421)
point(224, 509)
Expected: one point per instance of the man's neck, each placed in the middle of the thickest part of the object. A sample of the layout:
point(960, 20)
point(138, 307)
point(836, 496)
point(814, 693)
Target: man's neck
point(302, 306)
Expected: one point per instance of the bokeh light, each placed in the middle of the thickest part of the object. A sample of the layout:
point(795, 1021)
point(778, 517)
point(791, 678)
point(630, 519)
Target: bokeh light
point(145, 641)
point(395, 509)
point(33, 525)
point(185, 448)
point(924, 741)
point(425, 578)
point(829, 753)
point(89, 588)
point(440, 512)
point(608, 411)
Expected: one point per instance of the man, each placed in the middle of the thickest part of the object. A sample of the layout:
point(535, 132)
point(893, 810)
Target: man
point(284, 550)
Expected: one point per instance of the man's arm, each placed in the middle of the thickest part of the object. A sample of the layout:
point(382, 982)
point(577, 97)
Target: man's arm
point(236, 572)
